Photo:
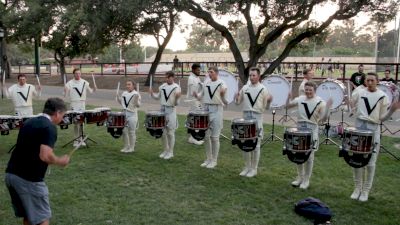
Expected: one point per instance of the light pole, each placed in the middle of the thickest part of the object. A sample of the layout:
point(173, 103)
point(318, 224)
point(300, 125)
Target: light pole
point(1, 61)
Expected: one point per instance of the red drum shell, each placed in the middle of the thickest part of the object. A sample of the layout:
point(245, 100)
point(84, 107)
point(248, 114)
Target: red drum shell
point(244, 129)
point(197, 120)
point(116, 120)
point(155, 120)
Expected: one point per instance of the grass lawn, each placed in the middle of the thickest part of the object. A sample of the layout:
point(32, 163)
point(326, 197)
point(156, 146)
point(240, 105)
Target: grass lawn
point(104, 186)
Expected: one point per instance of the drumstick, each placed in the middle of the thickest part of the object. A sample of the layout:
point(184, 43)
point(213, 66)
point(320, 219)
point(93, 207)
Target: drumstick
point(291, 83)
point(37, 78)
point(94, 81)
point(137, 87)
point(348, 97)
point(151, 81)
point(118, 87)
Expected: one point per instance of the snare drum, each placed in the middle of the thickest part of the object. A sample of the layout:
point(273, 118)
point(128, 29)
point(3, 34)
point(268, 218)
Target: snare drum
point(245, 134)
point(16, 122)
point(103, 112)
point(358, 141)
point(279, 88)
point(116, 120)
point(155, 123)
point(357, 146)
point(5, 124)
point(92, 116)
point(334, 89)
point(115, 123)
point(389, 89)
point(197, 124)
point(298, 144)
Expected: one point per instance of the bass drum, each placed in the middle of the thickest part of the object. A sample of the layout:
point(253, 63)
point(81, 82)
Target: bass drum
point(334, 89)
point(389, 89)
point(279, 88)
point(230, 81)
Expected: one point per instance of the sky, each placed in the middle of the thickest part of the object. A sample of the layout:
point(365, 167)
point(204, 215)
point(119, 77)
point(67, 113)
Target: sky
point(178, 40)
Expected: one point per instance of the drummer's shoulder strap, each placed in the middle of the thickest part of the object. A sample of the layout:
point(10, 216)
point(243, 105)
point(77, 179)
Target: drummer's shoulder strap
point(309, 115)
point(251, 99)
point(366, 102)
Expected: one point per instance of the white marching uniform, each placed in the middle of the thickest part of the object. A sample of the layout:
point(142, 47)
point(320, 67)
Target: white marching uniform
point(255, 101)
point(76, 90)
point(194, 85)
point(21, 97)
point(213, 104)
point(371, 106)
point(130, 102)
point(309, 114)
point(168, 99)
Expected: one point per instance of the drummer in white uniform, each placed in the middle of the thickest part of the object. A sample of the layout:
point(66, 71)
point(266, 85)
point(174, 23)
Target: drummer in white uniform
point(255, 98)
point(169, 94)
point(194, 85)
point(76, 90)
point(312, 110)
point(308, 75)
point(21, 95)
point(372, 105)
point(213, 97)
point(130, 101)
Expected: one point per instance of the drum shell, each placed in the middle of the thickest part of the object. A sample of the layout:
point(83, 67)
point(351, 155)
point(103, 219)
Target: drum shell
point(244, 129)
point(93, 116)
point(155, 120)
point(116, 120)
point(358, 141)
point(298, 140)
point(197, 120)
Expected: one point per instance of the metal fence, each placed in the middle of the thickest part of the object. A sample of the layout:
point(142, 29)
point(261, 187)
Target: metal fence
point(337, 70)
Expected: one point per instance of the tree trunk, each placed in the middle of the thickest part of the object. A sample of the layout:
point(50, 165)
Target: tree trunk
point(61, 62)
point(161, 48)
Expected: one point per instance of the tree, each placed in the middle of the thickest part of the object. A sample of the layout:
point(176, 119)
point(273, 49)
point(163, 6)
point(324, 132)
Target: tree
point(204, 38)
point(275, 18)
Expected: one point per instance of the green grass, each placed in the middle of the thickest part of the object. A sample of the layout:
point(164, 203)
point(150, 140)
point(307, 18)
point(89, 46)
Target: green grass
point(104, 186)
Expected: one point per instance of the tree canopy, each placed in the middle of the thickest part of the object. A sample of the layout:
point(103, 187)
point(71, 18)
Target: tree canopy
point(266, 21)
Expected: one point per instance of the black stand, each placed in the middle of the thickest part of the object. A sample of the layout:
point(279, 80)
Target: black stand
point(286, 117)
point(383, 148)
point(272, 136)
point(80, 137)
point(327, 138)
point(342, 119)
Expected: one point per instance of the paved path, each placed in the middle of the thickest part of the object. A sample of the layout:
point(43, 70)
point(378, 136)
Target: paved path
point(106, 98)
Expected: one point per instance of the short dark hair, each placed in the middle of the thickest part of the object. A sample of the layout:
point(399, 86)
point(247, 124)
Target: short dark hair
point(255, 69)
point(373, 74)
point(306, 71)
point(361, 65)
point(214, 68)
point(387, 70)
point(170, 74)
point(76, 69)
point(311, 84)
point(54, 105)
point(195, 66)
point(21, 75)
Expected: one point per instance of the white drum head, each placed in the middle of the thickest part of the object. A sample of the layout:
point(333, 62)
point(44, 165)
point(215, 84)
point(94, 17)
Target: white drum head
point(332, 89)
point(231, 83)
point(386, 89)
point(279, 88)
